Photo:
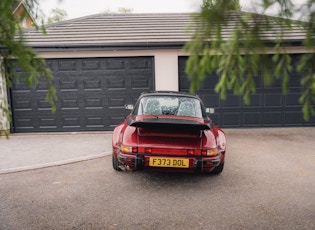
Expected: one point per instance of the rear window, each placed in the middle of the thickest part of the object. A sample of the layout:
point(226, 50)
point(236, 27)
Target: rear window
point(169, 105)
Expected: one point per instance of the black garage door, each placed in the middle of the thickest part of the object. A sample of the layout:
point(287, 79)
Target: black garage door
point(91, 94)
point(268, 108)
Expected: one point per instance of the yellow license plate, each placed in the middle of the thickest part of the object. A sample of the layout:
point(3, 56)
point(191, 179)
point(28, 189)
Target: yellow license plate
point(169, 162)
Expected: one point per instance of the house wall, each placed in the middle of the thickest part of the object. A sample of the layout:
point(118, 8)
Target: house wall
point(27, 22)
point(166, 71)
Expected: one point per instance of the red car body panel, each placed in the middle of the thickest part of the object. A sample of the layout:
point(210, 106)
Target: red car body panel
point(168, 143)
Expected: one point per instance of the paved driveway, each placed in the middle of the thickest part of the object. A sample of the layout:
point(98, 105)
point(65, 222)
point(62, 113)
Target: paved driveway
point(268, 183)
point(37, 150)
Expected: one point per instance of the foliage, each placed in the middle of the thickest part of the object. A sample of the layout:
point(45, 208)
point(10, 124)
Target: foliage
point(238, 59)
point(57, 15)
point(228, 5)
point(13, 51)
point(124, 10)
point(121, 10)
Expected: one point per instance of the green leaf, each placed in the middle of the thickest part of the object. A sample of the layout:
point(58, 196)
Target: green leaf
point(241, 57)
point(15, 52)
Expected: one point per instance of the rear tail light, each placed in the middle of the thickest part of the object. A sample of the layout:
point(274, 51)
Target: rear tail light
point(209, 152)
point(128, 149)
point(148, 150)
point(190, 151)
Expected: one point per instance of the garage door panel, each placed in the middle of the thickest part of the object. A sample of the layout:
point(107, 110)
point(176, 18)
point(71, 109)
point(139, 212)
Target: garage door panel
point(26, 123)
point(276, 85)
point(216, 117)
point(273, 100)
point(71, 122)
point(115, 64)
point(116, 102)
point(65, 65)
point(42, 85)
point(69, 104)
point(30, 122)
point(20, 86)
point(95, 122)
point(232, 101)
point(116, 82)
point(140, 64)
point(48, 123)
point(292, 100)
point(140, 82)
point(268, 107)
point(311, 122)
point(29, 101)
point(94, 103)
point(252, 119)
point(43, 105)
point(22, 104)
point(232, 119)
point(293, 118)
point(115, 120)
point(68, 83)
point(117, 110)
point(91, 64)
point(92, 84)
point(272, 118)
point(91, 94)
point(211, 100)
point(51, 64)
point(210, 82)
point(255, 102)
point(295, 81)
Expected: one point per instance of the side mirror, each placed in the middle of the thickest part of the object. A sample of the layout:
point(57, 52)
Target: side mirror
point(129, 107)
point(210, 110)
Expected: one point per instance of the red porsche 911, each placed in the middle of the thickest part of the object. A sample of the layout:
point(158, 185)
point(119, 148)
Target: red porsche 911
point(171, 132)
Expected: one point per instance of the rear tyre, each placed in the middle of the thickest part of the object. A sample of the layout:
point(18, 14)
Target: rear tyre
point(116, 164)
point(217, 170)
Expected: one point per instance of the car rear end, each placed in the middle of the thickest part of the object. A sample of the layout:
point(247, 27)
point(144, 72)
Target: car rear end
point(168, 131)
point(171, 151)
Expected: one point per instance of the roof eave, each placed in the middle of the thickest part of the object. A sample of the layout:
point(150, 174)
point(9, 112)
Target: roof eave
point(108, 47)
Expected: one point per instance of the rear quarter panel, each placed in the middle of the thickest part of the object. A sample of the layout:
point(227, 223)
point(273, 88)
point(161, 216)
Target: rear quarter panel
point(117, 134)
point(209, 139)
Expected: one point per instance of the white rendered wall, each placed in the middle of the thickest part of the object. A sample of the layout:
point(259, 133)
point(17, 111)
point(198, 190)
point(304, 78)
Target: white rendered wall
point(166, 71)
point(4, 122)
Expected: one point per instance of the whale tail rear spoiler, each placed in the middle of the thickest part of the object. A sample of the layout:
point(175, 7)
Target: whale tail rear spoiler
point(172, 124)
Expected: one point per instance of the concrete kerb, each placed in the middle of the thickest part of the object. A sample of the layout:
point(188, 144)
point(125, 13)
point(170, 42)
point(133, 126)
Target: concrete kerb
point(52, 164)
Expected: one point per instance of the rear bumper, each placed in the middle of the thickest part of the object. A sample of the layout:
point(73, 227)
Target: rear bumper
point(196, 164)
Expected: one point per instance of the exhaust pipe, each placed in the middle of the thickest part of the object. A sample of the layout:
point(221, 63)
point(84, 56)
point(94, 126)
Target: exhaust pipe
point(125, 168)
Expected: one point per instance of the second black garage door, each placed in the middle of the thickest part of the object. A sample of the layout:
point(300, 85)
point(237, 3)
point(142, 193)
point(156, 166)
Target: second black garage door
point(91, 94)
point(268, 107)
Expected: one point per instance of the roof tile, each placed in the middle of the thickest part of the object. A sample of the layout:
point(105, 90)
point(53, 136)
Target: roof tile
point(128, 30)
